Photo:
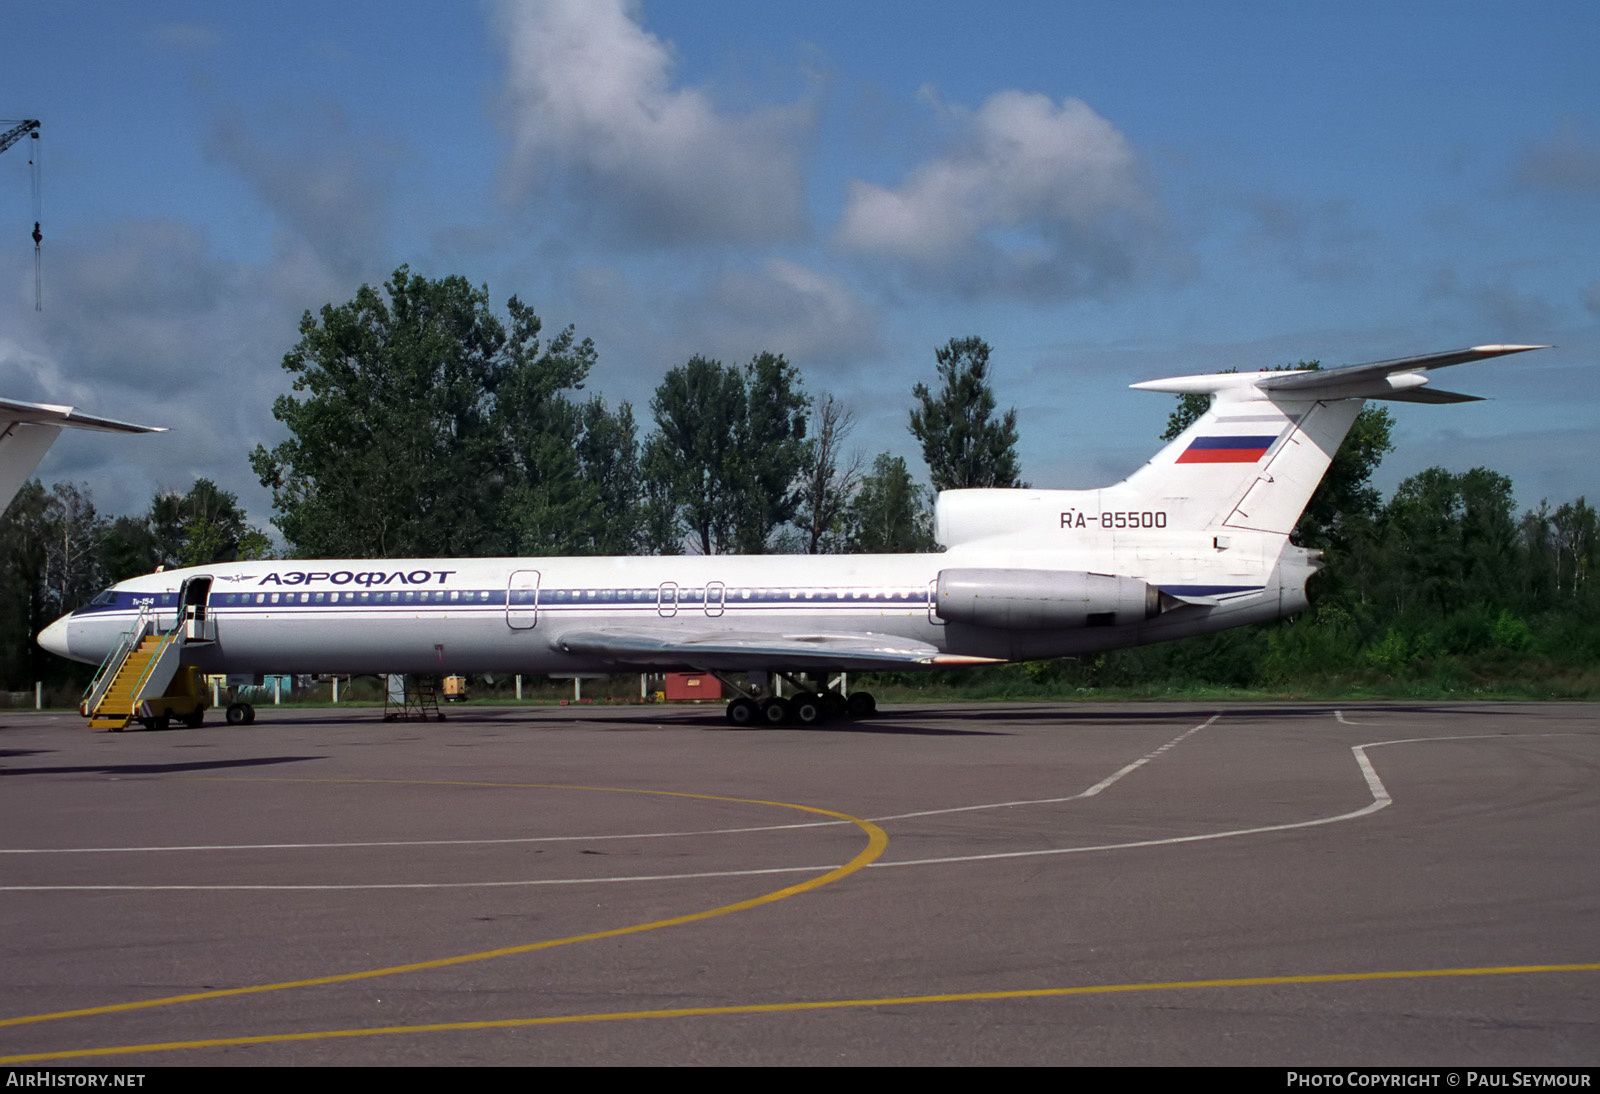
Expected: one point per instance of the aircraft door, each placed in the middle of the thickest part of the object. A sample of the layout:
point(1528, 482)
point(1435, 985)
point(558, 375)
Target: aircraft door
point(715, 592)
point(192, 598)
point(667, 602)
point(522, 599)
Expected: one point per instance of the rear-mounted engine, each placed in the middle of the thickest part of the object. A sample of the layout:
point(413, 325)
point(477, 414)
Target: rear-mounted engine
point(1043, 599)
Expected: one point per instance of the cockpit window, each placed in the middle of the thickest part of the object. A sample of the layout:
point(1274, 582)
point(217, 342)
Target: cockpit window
point(107, 597)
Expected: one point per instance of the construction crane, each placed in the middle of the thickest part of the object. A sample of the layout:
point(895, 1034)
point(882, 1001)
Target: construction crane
point(30, 128)
point(17, 132)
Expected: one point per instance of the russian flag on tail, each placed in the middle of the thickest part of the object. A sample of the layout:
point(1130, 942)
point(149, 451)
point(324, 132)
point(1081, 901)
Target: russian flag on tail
point(1226, 449)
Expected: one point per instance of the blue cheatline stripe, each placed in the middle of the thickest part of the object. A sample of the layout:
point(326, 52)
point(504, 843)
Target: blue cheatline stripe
point(556, 600)
point(1209, 590)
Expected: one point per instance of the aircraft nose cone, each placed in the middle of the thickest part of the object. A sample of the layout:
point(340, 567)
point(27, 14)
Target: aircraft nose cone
point(54, 638)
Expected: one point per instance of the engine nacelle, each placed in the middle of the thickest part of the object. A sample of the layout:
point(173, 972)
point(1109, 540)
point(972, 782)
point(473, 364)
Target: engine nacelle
point(1043, 599)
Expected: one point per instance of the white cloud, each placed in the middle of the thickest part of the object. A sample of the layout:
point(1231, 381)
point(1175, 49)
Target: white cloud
point(1566, 163)
point(1044, 199)
point(329, 188)
point(809, 317)
point(591, 105)
point(645, 325)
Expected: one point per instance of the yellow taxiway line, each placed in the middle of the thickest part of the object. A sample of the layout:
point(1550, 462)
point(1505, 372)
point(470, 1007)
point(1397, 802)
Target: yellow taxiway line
point(784, 1008)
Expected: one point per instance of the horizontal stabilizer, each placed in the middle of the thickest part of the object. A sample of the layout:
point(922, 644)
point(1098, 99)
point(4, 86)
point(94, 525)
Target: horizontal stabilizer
point(1400, 379)
point(1306, 381)
point(1432, 395)
point(14, 410)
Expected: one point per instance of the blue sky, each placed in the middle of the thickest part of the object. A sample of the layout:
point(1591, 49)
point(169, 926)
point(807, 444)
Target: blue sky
point(1106, 192)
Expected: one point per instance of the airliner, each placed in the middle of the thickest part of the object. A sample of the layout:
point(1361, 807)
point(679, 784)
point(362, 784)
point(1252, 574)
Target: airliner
point(1195, 541)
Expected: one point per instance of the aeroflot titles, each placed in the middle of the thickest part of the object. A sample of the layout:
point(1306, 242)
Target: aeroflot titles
point(365, 577)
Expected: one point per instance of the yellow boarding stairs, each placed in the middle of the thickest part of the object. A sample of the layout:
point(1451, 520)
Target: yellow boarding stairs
point(141, 678)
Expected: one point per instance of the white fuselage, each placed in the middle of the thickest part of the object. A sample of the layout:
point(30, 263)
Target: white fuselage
point(511, 615)
point(1196, 540)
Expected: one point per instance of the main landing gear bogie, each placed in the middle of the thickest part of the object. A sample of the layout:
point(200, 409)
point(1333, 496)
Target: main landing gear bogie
point(241, 714)
point(805, 709)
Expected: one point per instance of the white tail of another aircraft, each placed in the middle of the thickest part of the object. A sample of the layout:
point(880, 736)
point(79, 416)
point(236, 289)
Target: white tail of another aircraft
point(27, 430)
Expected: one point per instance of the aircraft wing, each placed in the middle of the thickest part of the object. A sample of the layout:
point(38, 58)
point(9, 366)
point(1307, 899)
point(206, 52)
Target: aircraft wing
point(736, 651)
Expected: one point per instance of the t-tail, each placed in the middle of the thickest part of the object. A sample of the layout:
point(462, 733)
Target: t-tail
point(1206, 523)
point(27, 430)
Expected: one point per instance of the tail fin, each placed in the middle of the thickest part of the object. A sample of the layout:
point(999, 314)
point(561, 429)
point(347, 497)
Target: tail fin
point(28, 429)
point(1251, 461)
point(1254, 458)
point(1249, 464)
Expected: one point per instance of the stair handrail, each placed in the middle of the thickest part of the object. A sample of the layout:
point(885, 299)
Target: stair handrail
point(106, 674)
point(167, 639)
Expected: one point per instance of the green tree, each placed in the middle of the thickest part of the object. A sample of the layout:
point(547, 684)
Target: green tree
point(1575, 539)
point(608, 464)
point(130, 548)
point(1451, 541)
point(963, 441)
point(772, 447)
point(579, 491)
point(727, 452)
point(828, 481)
point(205, 525)
point(692, 458)
point(23, 606)
point(72, 531)
point(890, 512)
point(50, 562)
point(422, 421)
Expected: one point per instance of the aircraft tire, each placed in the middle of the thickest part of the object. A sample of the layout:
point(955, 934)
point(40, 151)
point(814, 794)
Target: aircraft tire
point(835, 704)
point(777, 712)
point(862, 704)
point(236, 714)
point(743, 712)
point(249, 714)
point(809, 710)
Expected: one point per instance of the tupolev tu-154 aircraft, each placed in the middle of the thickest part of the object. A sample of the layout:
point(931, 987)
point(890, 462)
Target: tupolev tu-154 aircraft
point(1197, 540)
